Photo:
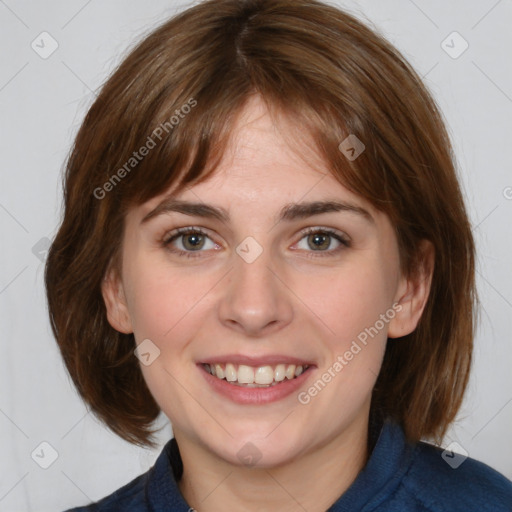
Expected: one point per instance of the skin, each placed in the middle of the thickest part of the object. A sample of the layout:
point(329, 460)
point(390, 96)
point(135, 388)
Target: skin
point(283, 303)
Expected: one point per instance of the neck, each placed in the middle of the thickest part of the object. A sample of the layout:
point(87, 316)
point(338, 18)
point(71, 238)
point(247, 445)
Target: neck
point(312, 482)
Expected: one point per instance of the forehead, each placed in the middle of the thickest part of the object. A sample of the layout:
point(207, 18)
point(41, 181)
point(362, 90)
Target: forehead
point(267, 161)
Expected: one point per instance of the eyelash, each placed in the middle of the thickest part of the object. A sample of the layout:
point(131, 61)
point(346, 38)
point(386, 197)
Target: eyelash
point(345, 242)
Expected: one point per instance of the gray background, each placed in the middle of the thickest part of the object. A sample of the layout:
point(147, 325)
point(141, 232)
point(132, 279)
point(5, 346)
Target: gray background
point(42, 102)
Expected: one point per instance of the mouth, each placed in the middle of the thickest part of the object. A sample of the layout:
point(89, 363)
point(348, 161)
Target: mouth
point(255, 380)
point(264, 376)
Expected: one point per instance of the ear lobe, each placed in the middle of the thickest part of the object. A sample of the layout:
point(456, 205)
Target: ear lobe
point(115, 303)
point(413, 294)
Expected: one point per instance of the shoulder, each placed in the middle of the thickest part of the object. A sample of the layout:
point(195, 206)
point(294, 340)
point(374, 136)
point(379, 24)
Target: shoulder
point(153, 490)
point(129, 498)
point(442, 480)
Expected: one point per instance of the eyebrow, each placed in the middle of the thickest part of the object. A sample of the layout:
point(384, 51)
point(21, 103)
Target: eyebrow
point(289, 213)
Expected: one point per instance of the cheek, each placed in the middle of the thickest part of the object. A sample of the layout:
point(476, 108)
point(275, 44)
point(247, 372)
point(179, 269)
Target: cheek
point(355, 305)
point(349, 300)
point(355, 345)
point(167, 306)
point(160, 297)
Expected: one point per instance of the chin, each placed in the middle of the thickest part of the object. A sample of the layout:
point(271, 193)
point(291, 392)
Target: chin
point(259, 451)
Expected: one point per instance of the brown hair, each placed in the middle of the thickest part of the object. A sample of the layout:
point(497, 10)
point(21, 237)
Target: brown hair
point(335, 77)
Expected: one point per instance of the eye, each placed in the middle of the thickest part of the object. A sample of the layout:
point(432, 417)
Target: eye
point(318, 240)
point(190, 239)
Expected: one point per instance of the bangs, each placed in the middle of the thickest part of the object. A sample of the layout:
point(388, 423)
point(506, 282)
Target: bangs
point(316, 81)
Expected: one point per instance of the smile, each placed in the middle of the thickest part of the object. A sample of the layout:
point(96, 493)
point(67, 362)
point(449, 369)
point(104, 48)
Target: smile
point(256, 379)
point(250, 376)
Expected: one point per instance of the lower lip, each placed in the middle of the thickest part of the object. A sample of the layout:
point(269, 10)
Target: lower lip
point(246, 395)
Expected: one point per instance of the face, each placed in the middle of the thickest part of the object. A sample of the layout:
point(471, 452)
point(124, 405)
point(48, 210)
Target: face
point(268, 289)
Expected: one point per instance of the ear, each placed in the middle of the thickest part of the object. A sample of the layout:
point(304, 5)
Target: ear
point(115, 302)
point(413, 293)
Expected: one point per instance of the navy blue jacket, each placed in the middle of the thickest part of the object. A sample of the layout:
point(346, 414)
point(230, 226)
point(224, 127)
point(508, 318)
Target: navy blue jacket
point(398, 477)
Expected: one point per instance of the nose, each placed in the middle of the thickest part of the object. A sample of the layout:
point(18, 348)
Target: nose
point(256, 302)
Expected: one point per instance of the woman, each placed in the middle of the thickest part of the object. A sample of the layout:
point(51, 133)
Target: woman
point(265, 239)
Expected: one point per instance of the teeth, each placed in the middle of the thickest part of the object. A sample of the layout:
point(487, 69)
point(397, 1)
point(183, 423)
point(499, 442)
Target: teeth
point(245, 374)
point(231, 375)
point(279, 373)
point(219, 371)
point(290, 372)
point(262, 376)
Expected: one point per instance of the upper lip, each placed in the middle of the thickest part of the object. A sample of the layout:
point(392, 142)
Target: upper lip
point(268, 360)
